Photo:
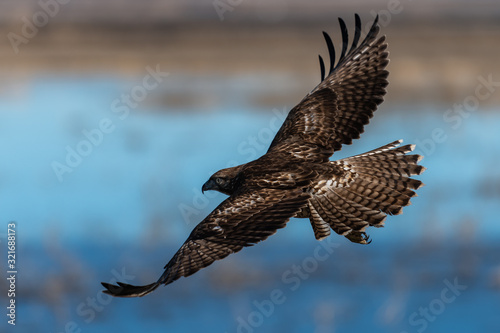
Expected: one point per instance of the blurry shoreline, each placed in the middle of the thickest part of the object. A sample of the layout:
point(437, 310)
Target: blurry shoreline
point(433, 59)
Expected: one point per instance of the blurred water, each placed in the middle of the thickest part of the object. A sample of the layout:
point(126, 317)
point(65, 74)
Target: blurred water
point(122, 209)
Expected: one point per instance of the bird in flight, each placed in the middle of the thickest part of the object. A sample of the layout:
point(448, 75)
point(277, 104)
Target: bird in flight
point(295, 178)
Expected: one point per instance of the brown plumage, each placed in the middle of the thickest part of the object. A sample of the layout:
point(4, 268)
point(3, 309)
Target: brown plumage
point(295, 178)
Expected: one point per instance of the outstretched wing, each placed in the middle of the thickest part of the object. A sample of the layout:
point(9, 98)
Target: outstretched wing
point(336, 111)
point(240, 221)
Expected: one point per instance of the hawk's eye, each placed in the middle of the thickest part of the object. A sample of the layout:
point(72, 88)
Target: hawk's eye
point(219, 181)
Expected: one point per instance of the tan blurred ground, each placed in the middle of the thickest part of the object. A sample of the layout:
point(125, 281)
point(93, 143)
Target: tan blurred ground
point(436, 52)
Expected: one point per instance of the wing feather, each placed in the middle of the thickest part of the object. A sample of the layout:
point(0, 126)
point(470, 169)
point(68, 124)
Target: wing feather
point(345, 38)
point(337, 110)
point(239, 221)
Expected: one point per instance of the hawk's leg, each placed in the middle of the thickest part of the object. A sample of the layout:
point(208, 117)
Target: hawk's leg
point(358, 237)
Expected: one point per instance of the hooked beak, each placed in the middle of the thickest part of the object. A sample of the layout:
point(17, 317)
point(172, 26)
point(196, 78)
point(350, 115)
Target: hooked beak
point(209, 185)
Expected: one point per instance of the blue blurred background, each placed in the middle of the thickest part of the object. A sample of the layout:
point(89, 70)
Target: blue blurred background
point(102, 165)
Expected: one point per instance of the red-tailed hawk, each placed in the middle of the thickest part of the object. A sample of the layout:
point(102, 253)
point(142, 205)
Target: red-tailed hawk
point(295, 178)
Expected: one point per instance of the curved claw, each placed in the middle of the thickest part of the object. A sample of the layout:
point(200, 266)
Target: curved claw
point(358, 237)
point(366, 238)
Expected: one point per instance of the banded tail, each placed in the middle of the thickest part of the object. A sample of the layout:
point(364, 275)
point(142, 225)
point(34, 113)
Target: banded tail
point(372, 185)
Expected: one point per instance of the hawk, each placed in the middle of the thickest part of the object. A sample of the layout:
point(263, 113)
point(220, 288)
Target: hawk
point(295, 178)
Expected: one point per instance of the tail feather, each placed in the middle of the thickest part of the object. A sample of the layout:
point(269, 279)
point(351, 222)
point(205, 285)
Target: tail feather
point(342, 222)
point(338, 222)
point(320, 227)
point(395, 179)
point(382, 202)
point(405, 186)
point(388, 159)
point(379, 185)
point(390, 167)
point(379, 195)
point(384, 148)
point(372, 217)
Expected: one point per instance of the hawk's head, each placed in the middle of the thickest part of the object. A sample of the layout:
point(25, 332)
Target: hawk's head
point(223, 181)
